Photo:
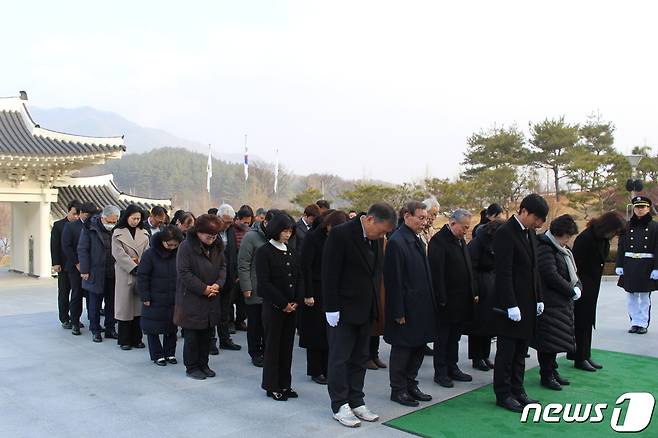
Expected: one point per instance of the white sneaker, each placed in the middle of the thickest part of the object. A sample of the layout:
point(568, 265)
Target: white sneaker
point(365, 414)
point(346, 417)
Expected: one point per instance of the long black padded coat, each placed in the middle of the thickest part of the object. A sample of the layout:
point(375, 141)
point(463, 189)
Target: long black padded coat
point(555, 327)
point(156, 282)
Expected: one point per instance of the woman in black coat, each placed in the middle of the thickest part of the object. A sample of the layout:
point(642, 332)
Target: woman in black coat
point(156, 282)
point(276, 273)
point(591, 249)
point(482, 330)
point(312, 320)
point(560, 287)
point(200, 279)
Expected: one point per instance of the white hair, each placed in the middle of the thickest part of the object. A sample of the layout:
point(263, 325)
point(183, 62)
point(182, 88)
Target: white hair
point(225, 210)
point(110, 210)
point(432, 203)
point(459, 215)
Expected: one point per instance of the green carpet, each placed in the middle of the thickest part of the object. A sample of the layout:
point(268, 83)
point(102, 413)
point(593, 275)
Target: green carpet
point(474, 414)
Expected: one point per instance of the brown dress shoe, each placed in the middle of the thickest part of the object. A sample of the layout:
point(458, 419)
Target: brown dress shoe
point(379, 363)
point(371, 365)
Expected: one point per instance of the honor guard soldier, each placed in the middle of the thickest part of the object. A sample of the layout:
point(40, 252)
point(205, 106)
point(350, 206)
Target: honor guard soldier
point(637, 263)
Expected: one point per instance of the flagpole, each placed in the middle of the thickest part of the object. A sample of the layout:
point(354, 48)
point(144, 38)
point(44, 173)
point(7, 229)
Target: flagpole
point(208, 176)
point(276, 169)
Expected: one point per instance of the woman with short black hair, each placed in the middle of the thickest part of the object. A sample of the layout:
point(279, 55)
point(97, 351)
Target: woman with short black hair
point(560, 288)
point(276, 271)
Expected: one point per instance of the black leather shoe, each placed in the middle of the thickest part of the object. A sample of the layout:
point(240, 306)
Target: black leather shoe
point(278, 396)
point(290, 393)
point(257, 361)
point(561, 380)
point(444, 381)
point(111, 334)
point(584, 365)
point(139, 345)
point(419, 395)
point(67, 325)
point(229, 345)
point(404, 399)
point(207, 371)
point(320, 380)
point(480, 365)
point(161, 362)
point(551, 383)
point(76, 330)
point(196, 374)
point(524, 400)
point(510, 404)
point(82, 325)
point(641, 330)
point(594, 364)
point(213, 351)
point(428, 351)
point(126, 347)
point(172, 360)
point(97, 337)
point(489, 364)
point(460, 376)
point(633, 329)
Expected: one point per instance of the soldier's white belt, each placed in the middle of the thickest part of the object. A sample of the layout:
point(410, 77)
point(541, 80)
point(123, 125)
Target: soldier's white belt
point(639, 255)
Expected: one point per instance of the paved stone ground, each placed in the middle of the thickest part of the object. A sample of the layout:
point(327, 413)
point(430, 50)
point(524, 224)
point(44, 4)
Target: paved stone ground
point(53, 384)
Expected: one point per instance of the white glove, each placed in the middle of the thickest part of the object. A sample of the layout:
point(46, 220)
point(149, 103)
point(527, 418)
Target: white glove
point(654, 274)
point(514, 313)
point(619, 271)
point(332, 318)
point(540, 308)
point(577, 293)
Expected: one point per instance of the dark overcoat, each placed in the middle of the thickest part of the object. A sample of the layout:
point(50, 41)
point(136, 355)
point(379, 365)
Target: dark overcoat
point(590, 252)
point(483, 261)
point(452, 277)
point(94, 247)
point(640, 238)
point(196, 270)
point(56, 253)
point(312, 322)
point(352, 273)
point(517, 279)
point(555, 327)
point(156, 282)
point(231, 255)
point(70, 239)
point(409, 294)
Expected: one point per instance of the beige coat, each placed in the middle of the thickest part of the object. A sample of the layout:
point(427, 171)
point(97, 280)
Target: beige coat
point(127, 304)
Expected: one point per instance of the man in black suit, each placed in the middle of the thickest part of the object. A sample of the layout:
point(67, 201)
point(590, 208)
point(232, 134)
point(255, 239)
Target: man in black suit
point(70, 238)
point(518, 298)
point(58, 259)
point(304, 226)
point(155, 221)
point(351, 277)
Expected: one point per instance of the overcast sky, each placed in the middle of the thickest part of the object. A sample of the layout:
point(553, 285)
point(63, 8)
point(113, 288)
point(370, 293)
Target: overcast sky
point(383, 89)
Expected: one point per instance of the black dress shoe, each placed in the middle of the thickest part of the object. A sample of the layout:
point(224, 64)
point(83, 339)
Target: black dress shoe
point(97, 337)
point(213, 351)
point(278, 396)
point(489, 364)
point(444, 381)
point(76, 330)
point(633, 329)
point(67, 325)
point(196, 374)
point(551, 383)
point(460, 376)
point(584, 365)
point(524, 400)
point(161, 362)
point(111, 334)
point(139, 345)
point(229, 345)
point(594, 364)
point(561, 380)
point(257, 361)
point(642, 330)
point(480, 365)
point(419, 395)
point(172, 360)
point(320, 380)
point(126, 347)
point(207, 371)
point(428, 351)
point(510, 404)
point(82, 325)
point(404, 399)
point(290, 393)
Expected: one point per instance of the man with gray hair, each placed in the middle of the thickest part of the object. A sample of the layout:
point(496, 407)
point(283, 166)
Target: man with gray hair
point(352, 264)
point(455, 294)
point(97, 269)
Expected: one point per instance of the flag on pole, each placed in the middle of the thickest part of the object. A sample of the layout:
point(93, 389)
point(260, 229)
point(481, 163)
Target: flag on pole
point(209, 169)
point(276, 170)
point(246, 159)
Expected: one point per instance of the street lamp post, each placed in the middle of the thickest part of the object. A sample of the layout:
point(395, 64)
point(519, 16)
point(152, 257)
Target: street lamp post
point(633, 185)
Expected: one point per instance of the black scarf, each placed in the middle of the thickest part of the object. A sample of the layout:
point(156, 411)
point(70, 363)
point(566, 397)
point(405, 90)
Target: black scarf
point(640, 221)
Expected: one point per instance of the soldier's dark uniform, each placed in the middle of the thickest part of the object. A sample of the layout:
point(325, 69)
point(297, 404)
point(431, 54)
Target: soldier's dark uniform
point(637, 256)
